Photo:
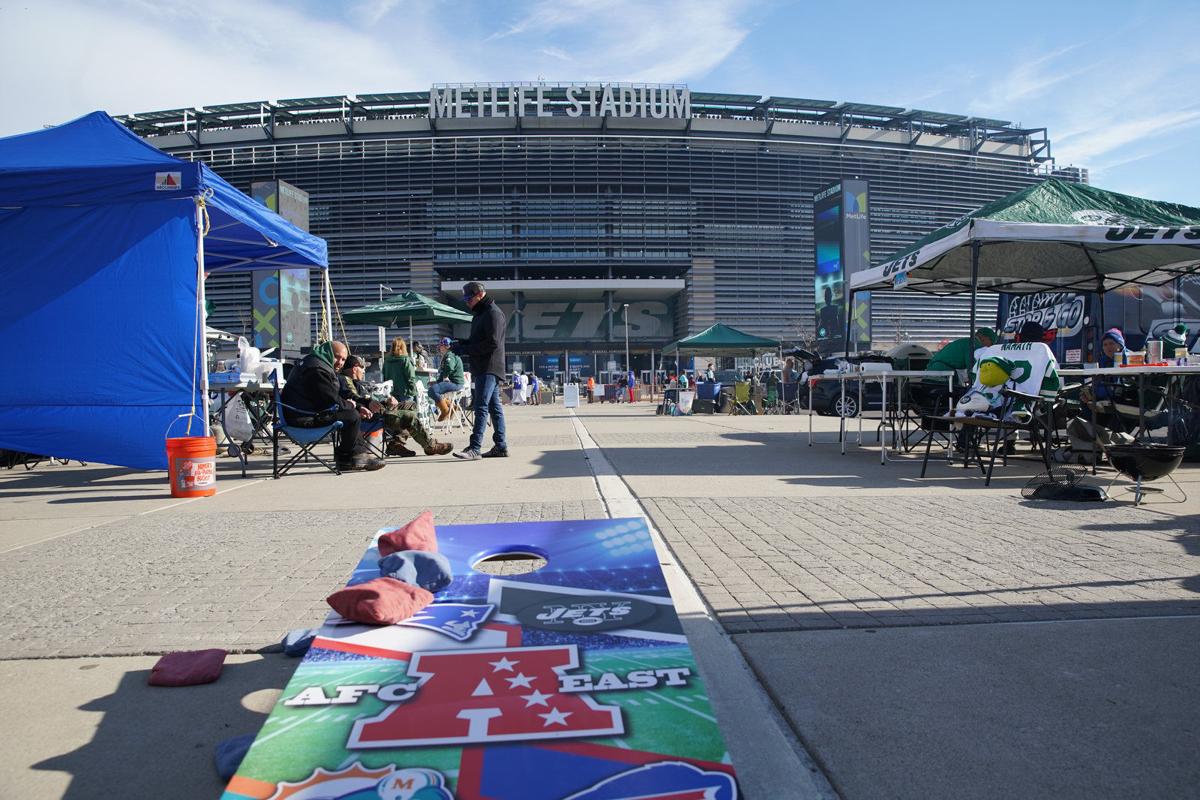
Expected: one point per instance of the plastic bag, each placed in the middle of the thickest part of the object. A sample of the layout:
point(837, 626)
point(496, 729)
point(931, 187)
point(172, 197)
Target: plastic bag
point(248, 357)
point(239, 425)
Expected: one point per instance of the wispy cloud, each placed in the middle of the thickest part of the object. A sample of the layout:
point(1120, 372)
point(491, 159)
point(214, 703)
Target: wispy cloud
point(631, 40)
point(1028, 78)
point(371, 12)
point(1085, 148)
point(556, 52)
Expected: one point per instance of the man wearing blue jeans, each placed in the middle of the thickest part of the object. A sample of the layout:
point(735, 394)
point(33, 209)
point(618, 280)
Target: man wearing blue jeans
point(485, 349)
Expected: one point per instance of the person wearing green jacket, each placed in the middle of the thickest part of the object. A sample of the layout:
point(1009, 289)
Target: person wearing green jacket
point(399, 368)
point(450, 378)
point(959, 355)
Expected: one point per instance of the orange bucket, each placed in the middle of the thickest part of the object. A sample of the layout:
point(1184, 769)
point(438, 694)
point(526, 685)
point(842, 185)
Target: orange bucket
point(192, 466)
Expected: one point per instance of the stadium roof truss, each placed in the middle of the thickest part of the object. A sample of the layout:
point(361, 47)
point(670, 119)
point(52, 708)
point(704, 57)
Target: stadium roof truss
point(347, 110)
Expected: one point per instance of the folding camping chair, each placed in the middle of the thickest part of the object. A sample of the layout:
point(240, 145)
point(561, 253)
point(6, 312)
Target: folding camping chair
point(458, 417)
point(789, 399)
point(376, 444)
point(739, 401)
point(305, 439)
point(993, 433)
point(772, 405)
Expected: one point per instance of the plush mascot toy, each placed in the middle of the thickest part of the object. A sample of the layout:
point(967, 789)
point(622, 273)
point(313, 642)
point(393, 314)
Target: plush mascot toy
point(985, 396)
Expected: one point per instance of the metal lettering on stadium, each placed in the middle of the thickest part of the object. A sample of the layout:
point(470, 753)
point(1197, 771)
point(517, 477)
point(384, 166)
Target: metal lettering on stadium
point(573, 100)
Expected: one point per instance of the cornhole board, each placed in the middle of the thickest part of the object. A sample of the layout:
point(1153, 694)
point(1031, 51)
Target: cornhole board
point(574, 681)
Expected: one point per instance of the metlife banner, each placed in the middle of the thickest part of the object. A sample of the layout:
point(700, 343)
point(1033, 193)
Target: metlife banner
point(842, 236)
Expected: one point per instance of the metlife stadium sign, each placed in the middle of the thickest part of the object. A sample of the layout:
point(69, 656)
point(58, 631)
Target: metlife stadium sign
point(575, 100)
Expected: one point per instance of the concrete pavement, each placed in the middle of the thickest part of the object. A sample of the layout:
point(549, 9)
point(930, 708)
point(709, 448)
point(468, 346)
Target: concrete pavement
point(797, 551)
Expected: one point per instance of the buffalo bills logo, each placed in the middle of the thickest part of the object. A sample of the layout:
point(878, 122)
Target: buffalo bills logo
point(665, 780)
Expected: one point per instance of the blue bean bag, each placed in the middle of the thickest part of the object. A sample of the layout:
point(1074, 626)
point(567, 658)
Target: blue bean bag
point(230, 753)
point(430, 571)
point(296, 642)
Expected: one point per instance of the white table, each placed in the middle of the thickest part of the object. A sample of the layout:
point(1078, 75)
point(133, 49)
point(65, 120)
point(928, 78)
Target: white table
point(1126, 371)
point(884, 377)
point(1139, 372)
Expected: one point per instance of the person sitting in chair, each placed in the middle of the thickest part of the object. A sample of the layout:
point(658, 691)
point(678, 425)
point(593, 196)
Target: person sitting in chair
point(398, 367)
point(312, 399)
point(450, 378)
point(398, 421)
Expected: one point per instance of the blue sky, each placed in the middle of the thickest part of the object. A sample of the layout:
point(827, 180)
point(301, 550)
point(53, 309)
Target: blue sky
point(1115, 83)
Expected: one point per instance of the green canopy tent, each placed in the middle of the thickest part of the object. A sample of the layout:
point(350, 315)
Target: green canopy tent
point(721, 340)
point(1053, 236)
point(416, 308)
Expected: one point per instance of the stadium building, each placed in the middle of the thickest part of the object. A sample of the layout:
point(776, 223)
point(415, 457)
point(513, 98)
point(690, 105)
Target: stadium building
point(597, 211)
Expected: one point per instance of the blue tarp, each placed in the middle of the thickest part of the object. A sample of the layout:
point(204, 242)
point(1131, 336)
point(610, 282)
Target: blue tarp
point(98, 311)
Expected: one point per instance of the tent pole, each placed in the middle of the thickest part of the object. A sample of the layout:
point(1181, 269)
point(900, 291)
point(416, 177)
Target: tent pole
point(410, 337)
point(202, 315)
point(974, 284)
point(327, 311)
point(846, 311)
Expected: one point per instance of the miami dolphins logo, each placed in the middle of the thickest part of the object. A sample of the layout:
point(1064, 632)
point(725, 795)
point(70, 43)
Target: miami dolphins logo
point(357, 782)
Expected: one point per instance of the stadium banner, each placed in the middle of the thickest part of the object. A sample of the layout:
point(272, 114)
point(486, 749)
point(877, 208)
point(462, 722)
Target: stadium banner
point(281, 299)
point(828, 283)
point(842, 236)
point(572, 681)
point(856, 253)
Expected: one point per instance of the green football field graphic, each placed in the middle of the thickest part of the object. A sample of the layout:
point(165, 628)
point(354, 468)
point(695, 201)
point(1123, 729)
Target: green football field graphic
point(294, 741)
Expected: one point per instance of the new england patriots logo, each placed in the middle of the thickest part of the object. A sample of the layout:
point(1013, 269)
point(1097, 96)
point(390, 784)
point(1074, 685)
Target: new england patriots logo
point(664, 780)
point(459, 621)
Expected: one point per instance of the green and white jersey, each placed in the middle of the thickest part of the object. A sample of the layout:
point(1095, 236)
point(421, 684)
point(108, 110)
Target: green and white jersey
point(1035, 369)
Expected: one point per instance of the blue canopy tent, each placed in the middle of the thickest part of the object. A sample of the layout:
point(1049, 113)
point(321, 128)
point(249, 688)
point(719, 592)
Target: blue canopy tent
point(104, 245)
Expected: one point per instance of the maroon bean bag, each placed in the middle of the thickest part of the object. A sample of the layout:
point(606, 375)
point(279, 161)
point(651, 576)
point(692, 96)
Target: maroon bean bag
point(188, 668)
point(382, 601)
point(416, 535)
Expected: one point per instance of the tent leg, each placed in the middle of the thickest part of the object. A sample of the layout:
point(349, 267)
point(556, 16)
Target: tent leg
point(974, 282)
point(847, 312)
point(202, 316)
point(327, 311)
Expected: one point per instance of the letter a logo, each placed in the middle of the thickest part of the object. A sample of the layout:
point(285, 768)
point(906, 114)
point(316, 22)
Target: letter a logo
point(483, 696)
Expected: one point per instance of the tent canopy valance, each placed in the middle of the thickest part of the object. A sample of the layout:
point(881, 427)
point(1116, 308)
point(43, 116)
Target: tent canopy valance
point(96, 161)
point(1053, 236)
point(720, 339)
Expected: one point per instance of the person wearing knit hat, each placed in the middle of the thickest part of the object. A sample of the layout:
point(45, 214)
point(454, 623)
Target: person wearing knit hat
point(1111, 343)
point(1175, 340)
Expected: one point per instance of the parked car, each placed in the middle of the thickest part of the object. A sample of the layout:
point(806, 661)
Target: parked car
point(827, 399)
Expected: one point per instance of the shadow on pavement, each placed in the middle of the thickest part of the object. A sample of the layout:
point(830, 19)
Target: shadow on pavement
point(159, 742)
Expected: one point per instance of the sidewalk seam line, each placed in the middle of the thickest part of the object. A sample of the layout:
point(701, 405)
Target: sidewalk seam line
point(804, 762)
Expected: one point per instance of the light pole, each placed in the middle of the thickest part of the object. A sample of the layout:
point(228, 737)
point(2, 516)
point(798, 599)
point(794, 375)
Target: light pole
point(625, 313)
point(381, 330)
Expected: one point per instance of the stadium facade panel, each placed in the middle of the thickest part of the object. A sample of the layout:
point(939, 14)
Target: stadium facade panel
point(691, 208)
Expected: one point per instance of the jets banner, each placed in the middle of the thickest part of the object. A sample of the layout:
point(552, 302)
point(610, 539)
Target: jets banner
point(573, 681)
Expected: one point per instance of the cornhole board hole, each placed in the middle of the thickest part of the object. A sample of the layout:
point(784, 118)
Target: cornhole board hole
point(574, 680)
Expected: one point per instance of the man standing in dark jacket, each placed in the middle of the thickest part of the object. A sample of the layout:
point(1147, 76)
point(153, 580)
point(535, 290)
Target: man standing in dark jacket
point(485, 350)
point(312, 399)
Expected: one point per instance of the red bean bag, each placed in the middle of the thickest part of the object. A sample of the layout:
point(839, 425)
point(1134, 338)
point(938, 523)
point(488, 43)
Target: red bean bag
point(416, 535)
point(188, 668)
point(382, 601)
